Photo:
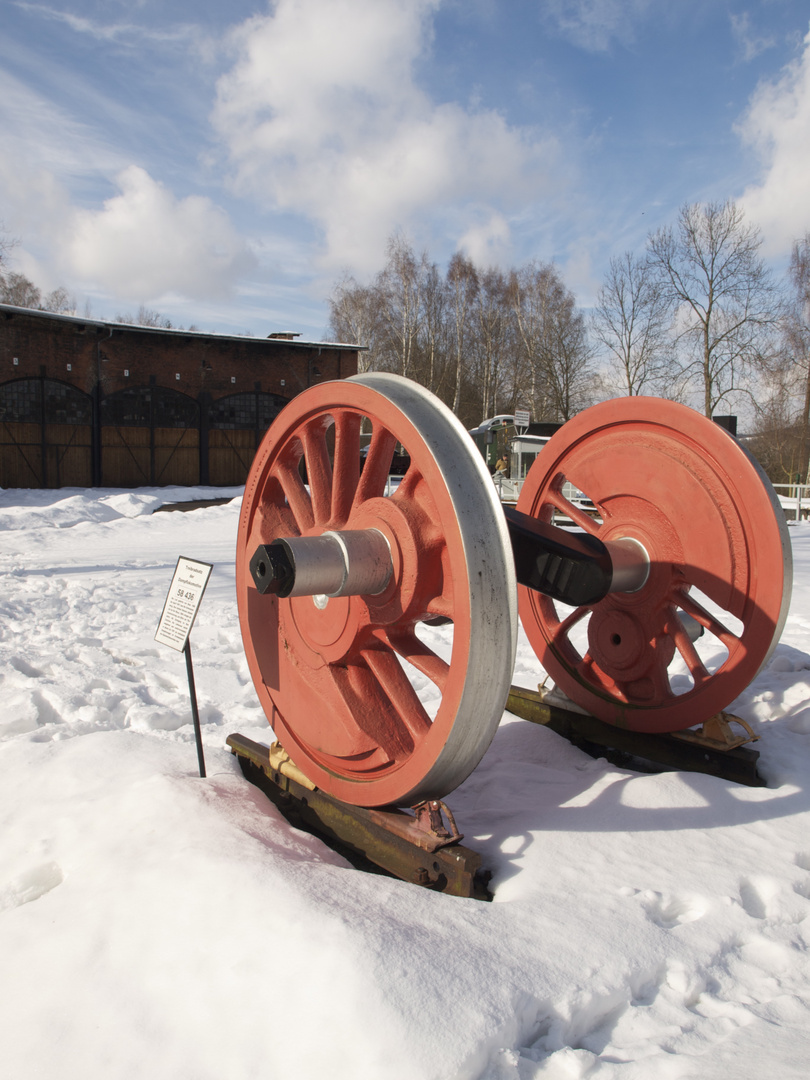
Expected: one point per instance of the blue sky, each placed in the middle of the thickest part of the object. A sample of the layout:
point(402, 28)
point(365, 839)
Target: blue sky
point(226, 163)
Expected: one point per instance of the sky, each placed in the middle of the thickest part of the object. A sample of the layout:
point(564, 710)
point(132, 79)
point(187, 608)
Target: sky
point(227, 164)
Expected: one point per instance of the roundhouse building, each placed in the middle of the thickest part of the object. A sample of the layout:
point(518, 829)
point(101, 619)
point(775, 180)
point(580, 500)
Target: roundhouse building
point(84, 402)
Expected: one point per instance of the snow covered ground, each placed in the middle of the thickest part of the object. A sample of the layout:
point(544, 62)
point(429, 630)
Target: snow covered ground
point(153, 924)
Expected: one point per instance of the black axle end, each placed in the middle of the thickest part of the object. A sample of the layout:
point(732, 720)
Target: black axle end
point(272, 569)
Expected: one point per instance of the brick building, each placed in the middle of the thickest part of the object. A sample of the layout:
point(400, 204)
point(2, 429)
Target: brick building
point(85, 402)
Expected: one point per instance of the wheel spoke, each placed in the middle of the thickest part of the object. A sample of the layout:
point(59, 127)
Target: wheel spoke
point(706, 620)
point(365, 702)
point(559, 632)
point(417, 494)
point(578, 516)
point(407, 485)
point(569, 622)
point(295, 493)
point(273, 518)
point(441, 606)
point(319, 470)
point(686, 648)
point(378, 465)
point(419, 655)
point(346, 469)
point(412, 721)
point(659, 675)
point(384, 705)
point(590, 670)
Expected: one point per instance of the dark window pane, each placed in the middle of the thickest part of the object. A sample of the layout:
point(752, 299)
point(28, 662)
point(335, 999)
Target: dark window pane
point(127, 408)
point(66, 405)
point(173, 410)
point(243, 411)
point(21, 401)
point(145, 406)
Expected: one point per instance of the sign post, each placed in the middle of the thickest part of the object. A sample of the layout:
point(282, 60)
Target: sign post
point(179, 612)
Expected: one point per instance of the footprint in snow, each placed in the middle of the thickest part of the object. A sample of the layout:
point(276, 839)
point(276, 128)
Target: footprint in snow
point(765, 898)
point(671, 911)
point(24, 668)
point(30, 886)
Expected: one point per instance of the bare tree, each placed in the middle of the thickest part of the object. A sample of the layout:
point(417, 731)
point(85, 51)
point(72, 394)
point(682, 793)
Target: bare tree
point(724, 302)
point(529, 294)
point(435, 329)
point(479, 340)
point(777, 436)
point(797, 341)
point(6, 245)
point(18, 290)
point(147, 317)
point(630, 320)
point(400, 317)
point(571, 375)
point(60, 301)
point(400, 286)
point(553, 362)
point(462, 282)
point(355, 316)
point(491, 338)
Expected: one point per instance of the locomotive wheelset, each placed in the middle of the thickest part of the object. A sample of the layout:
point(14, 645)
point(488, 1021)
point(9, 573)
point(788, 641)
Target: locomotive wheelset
point(652, 615)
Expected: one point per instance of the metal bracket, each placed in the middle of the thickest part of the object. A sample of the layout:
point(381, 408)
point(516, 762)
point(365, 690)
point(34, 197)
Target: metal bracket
point(429, 817)
point(716, 733)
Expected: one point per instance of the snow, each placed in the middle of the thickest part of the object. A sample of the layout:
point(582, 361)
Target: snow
point(155, 923)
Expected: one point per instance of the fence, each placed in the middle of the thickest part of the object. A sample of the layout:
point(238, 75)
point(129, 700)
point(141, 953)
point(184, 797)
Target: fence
point(795, 500)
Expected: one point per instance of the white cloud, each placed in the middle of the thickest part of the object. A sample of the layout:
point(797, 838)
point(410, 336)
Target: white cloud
point(145, 243)
point(594, 24)
point(750, 43)
point(322, 115)
point(777, 125)
point(140, 245)
point(120, 32)
point(487, 243)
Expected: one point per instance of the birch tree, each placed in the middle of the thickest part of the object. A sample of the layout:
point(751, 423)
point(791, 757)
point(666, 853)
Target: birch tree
point(630, 320)
point(797, 340)
point(724, 303)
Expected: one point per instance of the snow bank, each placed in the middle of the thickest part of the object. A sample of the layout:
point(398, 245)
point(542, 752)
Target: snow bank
point(155, 923)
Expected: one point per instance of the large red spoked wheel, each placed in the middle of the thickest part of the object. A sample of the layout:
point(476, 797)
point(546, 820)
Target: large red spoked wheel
point(719, 562)
point(330, 671)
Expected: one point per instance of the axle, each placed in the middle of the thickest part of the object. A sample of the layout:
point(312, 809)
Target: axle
point(573, 568)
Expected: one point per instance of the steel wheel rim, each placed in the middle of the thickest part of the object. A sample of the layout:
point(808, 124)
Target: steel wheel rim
point(655, 469)
point(445, 520)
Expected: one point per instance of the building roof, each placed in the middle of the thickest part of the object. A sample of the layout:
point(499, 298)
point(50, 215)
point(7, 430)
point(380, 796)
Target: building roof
point(285, 338)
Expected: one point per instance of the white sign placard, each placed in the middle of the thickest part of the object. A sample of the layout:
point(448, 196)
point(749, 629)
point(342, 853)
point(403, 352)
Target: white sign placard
point(522, 417)
point(183, 602)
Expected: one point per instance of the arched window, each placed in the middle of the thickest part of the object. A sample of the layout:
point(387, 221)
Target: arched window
point(149, 435)
point(46, 434)
point(236, 426)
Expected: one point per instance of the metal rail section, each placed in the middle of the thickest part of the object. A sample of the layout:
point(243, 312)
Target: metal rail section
point(417, 847)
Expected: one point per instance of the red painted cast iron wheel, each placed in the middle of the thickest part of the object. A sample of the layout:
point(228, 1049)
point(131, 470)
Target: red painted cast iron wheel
point(329, 674)
point(661, 474)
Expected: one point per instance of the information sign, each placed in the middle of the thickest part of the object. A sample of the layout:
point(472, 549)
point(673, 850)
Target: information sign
point(522, 418)
point(183, 602)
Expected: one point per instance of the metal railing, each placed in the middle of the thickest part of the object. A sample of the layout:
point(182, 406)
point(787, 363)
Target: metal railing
point(508, 490)
point(795, 500)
